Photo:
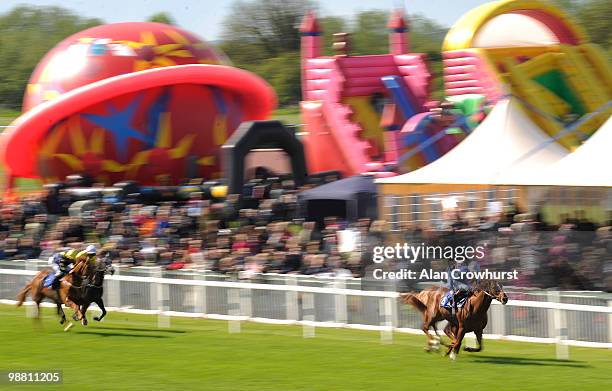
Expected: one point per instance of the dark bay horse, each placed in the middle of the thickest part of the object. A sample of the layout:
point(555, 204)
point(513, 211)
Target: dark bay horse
point(93, 288)
point(472, 317)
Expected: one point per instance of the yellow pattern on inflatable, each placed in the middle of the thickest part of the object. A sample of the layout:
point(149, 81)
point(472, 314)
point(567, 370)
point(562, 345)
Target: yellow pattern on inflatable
point(365, 115)
point(581, 74)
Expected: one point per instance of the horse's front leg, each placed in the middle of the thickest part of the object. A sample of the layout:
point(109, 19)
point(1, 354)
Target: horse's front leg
point(60, 313)
point(78, 315)
point(84, 308)
point(100, 304)
point(453, 349)
point(75, 308)
point(478, 340)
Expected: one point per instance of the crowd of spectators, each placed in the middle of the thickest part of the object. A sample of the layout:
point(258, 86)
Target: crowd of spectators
point(574, 254)
point(264, 233)
point(259, 233)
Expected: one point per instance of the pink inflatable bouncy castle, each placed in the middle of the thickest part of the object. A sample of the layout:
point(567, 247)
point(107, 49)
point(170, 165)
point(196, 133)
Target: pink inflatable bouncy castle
point(343, 99)
point(372, 113)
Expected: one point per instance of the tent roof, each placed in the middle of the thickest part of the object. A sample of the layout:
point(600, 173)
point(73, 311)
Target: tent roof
point(589, 165)
point(505, 147)
point(344, 189)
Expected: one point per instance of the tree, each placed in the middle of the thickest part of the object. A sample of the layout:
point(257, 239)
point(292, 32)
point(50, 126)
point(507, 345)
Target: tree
point(269, 27)
point(162, 17)
point(331, 25)
point(426, 36)
point(594, 15)
point(26, 34)
point(370, 34)
point(283, 73)
point(262, 36)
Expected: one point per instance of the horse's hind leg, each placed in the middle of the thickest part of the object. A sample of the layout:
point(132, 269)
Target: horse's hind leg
point(37, 302)
point(438, 338)
point(431, 342)
point(100, 304)
point(435, 341)
point(478, 340)
point(37, 298)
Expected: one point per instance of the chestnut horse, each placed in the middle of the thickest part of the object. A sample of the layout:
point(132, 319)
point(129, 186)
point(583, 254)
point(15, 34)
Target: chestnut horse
point(68, 292)
point(472, 317)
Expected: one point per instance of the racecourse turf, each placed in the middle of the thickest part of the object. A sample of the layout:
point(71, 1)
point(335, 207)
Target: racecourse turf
point(128, 352)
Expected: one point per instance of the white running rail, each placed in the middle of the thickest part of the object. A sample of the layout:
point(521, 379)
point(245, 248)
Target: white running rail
point(523, 320)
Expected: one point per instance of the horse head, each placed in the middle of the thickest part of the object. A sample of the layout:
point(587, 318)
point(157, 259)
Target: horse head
point(100, 268)
point(495, 290)
point(108, 266)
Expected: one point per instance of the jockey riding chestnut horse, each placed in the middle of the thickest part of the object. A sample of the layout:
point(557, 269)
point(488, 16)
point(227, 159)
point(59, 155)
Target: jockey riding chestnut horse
point(471, 317)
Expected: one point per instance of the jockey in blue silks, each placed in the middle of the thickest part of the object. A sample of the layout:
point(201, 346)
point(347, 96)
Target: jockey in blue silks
point(458, 285)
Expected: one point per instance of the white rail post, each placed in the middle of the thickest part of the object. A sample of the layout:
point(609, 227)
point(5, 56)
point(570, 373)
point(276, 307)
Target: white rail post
point(560, 326)
point(114, 290)
point(233, 302)
point(200, 292)
point(246, 303)
point(308, 315)
point(162, 293)
point(498, 317)
point(386, 315)
point(292, 302)
point(341, 302)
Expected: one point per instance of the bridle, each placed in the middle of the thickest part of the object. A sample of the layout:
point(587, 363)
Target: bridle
point(492, 296)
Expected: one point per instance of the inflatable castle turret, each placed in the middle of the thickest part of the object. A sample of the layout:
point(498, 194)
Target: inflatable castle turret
point(399, 42)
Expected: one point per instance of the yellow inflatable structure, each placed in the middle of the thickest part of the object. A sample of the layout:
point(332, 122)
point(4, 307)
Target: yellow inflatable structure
point(533, 51)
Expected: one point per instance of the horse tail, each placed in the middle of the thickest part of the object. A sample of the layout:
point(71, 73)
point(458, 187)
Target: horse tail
point(410, 298)
point(21, 296)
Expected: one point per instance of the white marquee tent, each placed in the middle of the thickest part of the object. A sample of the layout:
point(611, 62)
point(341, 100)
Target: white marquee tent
point(589, 165)
point(503, 150)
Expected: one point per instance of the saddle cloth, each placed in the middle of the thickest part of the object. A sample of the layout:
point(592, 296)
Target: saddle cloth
point(447, 300)
point(48, 281)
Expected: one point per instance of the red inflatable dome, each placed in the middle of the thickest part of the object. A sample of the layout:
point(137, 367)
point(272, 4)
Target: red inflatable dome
point(131, 101)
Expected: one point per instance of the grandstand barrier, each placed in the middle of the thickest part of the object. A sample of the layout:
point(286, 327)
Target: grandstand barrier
point(547, 318)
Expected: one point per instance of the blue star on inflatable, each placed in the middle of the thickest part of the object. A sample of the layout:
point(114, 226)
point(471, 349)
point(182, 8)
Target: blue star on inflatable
point(159, 106)
point(118, 122)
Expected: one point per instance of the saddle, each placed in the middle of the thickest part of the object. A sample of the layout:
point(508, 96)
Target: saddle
point(447, 300)
point(48, 280)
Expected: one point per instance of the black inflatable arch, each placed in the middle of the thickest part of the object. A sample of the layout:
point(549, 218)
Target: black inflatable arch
point(260, 134)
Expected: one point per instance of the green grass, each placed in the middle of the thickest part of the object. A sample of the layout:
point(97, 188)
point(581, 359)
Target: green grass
point(128, 352)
